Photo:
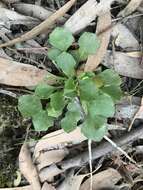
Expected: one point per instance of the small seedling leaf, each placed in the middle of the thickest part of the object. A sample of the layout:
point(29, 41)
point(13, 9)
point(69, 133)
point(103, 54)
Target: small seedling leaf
point(114, 91)
point(57, 101)
point(94, 129)
point(66, 63)
point(73, 115)
point(110, 77)
point(44, 91)
point(103, 105)
point(53, 53)
point(29, 105)
point(42, 121)
point(61, 38)
point(88, 90)
point(88, 43)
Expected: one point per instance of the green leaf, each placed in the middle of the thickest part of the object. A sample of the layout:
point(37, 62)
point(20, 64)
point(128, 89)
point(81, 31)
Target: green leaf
point(70, 88)
point(61, 38)
point(66, 63)
point(110, 77)
point(53, 113)
point(73, 115)
point(103, 105)
point(78, 55)
point(88, 43)
point(114, 91)
point(57, 101)
point(42, 121)
point(29, 105)
point(94, 129)
point(85, 75)
point(87, 89)
point(44, 91)
point(53, 53)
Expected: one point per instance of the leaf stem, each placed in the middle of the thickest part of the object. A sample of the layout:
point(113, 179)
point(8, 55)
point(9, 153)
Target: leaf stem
point(90, 163)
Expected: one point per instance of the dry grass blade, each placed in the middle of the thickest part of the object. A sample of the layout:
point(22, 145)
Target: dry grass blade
point(131, 7)
point(28, 169)
point(93, 61)
point(41, 27)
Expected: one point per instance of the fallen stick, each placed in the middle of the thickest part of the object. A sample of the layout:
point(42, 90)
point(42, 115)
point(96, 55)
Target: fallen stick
point(83, 158)
point(41, 28)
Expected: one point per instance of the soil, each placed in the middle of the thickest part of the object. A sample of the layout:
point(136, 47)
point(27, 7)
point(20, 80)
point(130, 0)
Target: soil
point(11, 134)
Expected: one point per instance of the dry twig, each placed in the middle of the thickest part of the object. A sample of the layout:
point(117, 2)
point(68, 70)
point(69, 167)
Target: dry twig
point(41, 28)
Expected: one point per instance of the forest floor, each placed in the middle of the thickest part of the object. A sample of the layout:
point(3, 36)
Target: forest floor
point(61, 161)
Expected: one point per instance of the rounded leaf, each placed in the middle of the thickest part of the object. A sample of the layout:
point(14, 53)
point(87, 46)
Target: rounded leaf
point(94, 129)
point(87, 89)
point(61, 38)
point(110, 77)
point(29, 105)
point(103, 105)
point(66, 63)
point(44, 91)
point(53, 53)
point(113, 91)
point(57, 101)
point(88, 43)
point(42, 121)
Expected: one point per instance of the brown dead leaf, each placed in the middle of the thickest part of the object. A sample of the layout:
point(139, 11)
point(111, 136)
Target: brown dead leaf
point(72, 182)
point(47, 158)
point(93, 61)
point(124, 38)
point(27, 168)
point(86, 14)
point(138, 115)
point(18, 74)
point(123, 64)
point(106, 178)
point(47, 186)
point(58, 140)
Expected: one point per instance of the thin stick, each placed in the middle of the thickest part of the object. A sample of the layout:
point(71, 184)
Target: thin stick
point(41, 27)
point(119, 149)
point(90, 163)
